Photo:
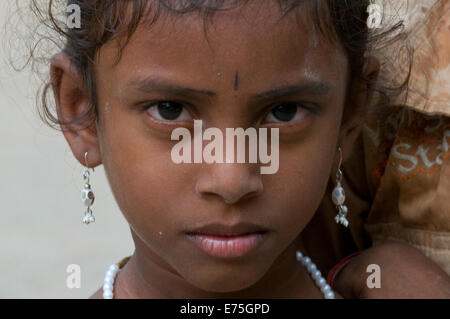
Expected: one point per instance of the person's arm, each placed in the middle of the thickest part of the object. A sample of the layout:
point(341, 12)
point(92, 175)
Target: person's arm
point(404, 273)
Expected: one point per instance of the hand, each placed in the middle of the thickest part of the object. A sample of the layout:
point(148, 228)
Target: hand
point(405, 273)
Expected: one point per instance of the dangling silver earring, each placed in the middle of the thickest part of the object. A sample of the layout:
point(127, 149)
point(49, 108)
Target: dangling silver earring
point(338, 196)
point(87, 195)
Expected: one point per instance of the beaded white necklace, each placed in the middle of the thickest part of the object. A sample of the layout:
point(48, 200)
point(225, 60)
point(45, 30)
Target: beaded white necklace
point(316, 275)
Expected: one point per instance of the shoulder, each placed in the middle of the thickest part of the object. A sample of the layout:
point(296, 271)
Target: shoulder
point(403, 272)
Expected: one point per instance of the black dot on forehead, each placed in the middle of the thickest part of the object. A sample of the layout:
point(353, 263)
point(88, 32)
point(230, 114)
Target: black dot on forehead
point(236, 81)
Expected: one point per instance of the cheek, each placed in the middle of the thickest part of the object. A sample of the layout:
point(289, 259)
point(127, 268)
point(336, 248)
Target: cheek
point(142, 176)
point(305, 169)
point(300, 184)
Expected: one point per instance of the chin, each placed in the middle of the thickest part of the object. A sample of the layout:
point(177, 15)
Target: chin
point(225, 280)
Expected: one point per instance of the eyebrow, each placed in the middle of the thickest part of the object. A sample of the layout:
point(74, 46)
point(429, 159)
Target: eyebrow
point(313, 87)
point(154, 84)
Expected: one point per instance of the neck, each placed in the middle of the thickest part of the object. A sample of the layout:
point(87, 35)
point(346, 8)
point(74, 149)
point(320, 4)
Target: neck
point(147, 276)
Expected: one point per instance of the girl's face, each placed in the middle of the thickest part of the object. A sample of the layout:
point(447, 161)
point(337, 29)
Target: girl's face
point(228, 79)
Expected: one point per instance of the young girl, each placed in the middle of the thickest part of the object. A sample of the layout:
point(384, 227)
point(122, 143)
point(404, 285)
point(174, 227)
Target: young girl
point(134, 71)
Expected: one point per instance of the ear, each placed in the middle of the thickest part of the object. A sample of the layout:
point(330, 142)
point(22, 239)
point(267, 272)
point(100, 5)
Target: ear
point(358, 101)
point(72, 102)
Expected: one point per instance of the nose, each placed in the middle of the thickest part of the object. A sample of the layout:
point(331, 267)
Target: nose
point(231, 182)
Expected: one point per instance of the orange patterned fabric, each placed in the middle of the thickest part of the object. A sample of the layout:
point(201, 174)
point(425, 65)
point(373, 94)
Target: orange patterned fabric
point(407, 151)
point(429, 90)
point(407, 156)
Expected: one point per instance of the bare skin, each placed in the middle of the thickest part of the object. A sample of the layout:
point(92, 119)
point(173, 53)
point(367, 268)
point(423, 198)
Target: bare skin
point(158, 197)
point(405, 273)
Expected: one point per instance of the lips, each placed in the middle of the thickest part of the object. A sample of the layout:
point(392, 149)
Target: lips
point(225, 241)
point(217, 229)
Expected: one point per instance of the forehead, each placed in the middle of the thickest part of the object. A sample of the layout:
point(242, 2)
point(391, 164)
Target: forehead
point(254, 40)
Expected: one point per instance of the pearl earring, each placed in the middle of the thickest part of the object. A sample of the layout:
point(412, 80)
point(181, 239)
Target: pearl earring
point(87, 195)
point(338, 196)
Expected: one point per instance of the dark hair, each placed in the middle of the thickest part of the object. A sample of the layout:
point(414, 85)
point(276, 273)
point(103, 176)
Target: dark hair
point(102, 21)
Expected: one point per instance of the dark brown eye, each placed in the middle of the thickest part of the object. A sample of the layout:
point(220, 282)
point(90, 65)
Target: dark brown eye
point(285, 112)
point(290, 112)
point(169, 111)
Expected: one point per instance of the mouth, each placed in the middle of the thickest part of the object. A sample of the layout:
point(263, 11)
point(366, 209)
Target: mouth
point(223, 241)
